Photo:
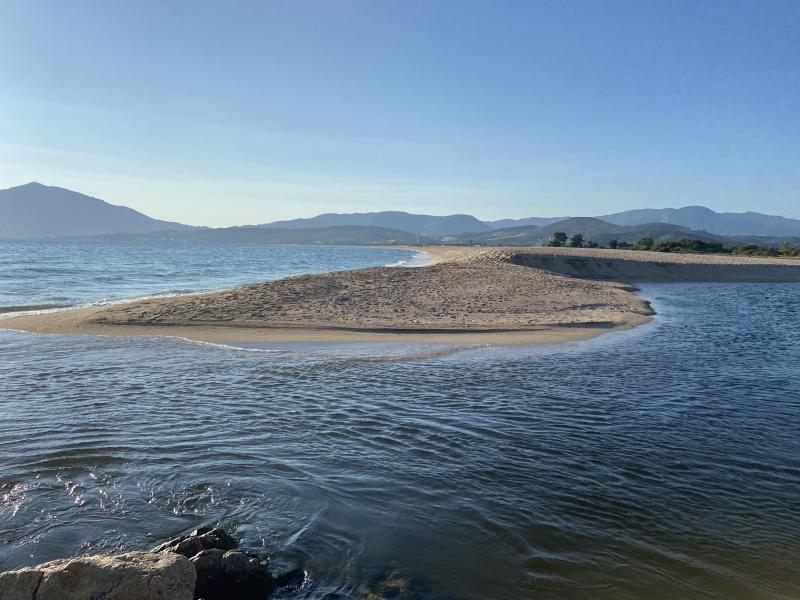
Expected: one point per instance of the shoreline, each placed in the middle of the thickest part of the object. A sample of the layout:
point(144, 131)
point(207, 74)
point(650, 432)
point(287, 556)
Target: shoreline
point(463, 296)
point(230, 334)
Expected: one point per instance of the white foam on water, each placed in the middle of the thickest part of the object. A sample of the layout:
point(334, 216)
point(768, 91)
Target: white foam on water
point(103, 302)
point(228, 347)
point(418, 259)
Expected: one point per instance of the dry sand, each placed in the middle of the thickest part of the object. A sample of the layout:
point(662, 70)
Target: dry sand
point(467, 295)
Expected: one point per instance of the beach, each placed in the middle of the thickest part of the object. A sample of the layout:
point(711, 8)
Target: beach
point(466, 295)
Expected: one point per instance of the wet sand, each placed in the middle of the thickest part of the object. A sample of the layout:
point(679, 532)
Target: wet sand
point(467, 295)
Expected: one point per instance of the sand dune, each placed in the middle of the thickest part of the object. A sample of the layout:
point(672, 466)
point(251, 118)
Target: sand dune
point(475, 295)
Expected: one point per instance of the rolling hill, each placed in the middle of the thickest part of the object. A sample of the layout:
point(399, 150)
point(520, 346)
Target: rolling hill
point(537, 221)
point(401, 221)
point(592, 229)
point(699, 217)
point(39, 211)
point(691, 217)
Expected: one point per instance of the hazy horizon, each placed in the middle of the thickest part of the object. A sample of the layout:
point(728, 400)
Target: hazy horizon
point(397, 210)
point(278, 111)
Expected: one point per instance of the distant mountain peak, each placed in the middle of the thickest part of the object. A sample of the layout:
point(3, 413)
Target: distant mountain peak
point(29, 185)
point(35, 210)
point(706, 219)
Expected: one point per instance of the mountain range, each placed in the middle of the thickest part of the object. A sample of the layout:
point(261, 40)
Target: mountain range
point(700, 217)
point(602, 232)
point(402, 221)
point(36, 211)
point(689, 218)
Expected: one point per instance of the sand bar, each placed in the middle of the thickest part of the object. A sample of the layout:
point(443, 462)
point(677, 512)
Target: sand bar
point(466, 296)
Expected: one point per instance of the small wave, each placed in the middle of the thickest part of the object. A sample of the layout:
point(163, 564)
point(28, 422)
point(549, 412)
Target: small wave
point(227, 346)
point(31, 308)
point(155, 296)
point(36, 309)
point(411, 357)
point(418, 259)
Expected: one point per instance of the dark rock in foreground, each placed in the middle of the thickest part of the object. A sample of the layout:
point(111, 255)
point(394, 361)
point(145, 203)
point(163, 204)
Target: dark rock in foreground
point(224, 573)
point(204, 538)
point(230, 575)
point(202, 565)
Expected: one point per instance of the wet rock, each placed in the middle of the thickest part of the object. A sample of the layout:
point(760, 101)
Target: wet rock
point(231, 575)
point(223, 573)
point(204, 538)
point(20, 585)
point(235, 562)
point(201, 565)
point(293, 580)
point(393, 584)
point(132, 576)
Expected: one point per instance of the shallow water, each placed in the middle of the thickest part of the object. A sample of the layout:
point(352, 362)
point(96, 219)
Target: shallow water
point(74, 273)
point(663, 462)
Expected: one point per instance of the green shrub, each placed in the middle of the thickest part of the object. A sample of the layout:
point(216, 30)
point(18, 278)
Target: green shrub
point(559, 239)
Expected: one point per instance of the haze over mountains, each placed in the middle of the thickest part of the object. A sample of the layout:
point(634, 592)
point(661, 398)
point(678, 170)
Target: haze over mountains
point(535, 221)
point(343, 235)
point(700, 217)
point(603, 232)
point(401, 221)
point(691, 217)
point(36, 211)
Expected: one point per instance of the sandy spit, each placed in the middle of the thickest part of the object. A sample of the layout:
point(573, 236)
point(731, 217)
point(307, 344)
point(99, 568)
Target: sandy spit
point(466, 296)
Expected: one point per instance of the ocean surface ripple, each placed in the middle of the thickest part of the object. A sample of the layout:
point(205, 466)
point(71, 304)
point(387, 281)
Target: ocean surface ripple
point(662, 462)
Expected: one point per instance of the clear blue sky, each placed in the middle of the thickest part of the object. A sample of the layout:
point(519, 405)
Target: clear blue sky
point(224, 113)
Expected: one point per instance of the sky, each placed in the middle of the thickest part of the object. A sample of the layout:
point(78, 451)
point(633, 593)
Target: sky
point(223, 113)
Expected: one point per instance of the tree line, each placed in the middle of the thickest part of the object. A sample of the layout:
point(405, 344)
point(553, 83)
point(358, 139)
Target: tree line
point(645, 243)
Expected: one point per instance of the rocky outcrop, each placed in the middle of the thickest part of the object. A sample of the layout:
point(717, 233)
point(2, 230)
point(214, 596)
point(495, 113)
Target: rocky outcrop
point(132, 576)
point(224, 573)
point(203, 538)
point(231, 575)
point(201, 565)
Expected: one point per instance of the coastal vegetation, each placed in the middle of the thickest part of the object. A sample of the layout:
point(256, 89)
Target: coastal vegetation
point(690, 246)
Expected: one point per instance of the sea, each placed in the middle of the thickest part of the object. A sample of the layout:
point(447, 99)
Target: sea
point(658, 463)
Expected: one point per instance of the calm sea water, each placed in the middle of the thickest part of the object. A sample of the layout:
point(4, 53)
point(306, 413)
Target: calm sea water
point(663, 462)
point(72, 273)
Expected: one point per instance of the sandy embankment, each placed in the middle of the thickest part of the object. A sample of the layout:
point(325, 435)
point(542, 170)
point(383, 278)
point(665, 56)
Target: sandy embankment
point(641, 267)
point(468, 295)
